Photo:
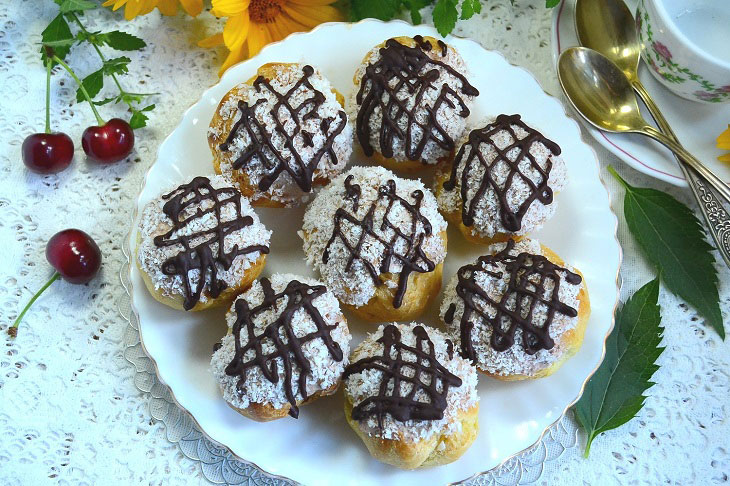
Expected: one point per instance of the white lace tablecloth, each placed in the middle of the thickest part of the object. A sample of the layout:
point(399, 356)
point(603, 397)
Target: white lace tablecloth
point(71, 409)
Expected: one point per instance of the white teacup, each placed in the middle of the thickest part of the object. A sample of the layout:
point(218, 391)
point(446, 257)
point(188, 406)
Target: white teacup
point(686, 44)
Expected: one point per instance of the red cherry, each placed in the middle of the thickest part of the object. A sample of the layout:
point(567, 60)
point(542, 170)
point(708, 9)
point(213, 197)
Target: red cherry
point(110, 142)
point(47, 153)
point(74, 255)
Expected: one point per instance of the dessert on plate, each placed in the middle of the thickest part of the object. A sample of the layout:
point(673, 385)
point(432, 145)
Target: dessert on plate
point(410, 397)
point(281, 134)
point(378, 242)
point(411, 102)
point(200, 245)
point(502, 182)
point(287, 344)
point(517, 313)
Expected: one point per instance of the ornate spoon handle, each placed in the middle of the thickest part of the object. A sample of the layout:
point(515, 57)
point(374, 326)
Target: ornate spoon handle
point(716, 217)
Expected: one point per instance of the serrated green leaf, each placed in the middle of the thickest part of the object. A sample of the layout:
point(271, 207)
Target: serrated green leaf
point(138, 120)
point(673, 240)
point(148, 108)
point(614, 394)
point(57, 32)
point(121, 41)
point(469, 8)
point(93, 84)
point(552, 3)
point(76, 5)
point(379, 9)
point(445, 15)
point(107, 100)
point(117, 65)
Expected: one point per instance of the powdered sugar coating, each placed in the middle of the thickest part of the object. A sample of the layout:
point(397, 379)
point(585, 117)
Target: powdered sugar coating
point(360, 386)
point(325, 370)
point(513, 361)
point(155, 222)
point(448, 117)
point(356, 286)
point(285, 190)
point(487, 219)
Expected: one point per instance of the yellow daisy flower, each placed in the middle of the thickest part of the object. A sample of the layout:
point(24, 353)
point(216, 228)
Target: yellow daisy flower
point(252, 24)
point(723, 142)
point(133, 8)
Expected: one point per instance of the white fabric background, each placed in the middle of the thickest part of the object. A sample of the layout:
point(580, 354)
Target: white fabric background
point(69, 409)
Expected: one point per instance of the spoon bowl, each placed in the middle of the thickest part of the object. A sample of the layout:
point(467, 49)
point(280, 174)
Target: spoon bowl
point(608, 27)
point(599, 90)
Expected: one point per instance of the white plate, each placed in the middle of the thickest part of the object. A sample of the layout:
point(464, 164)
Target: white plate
point(696, 125)
point(320, 448)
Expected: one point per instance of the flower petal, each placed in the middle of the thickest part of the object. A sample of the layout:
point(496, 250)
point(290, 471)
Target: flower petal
point(212, 41)
point(236, 30)
point(723, 141)
point(311, 16)
point(167, 7)
point(310, 3)
point(235, 56)
point(258, 37)
point(192, 7)
point(229, 8)
point(724, 158)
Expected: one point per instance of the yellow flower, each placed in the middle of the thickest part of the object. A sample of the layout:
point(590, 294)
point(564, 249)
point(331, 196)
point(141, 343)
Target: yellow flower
point(723, 142)
point(252, 24)
point(133, 8)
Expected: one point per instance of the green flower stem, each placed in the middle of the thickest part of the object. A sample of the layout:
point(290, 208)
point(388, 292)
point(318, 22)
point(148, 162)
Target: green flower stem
point(99, 119)
point(48, 95)
point(13, 330)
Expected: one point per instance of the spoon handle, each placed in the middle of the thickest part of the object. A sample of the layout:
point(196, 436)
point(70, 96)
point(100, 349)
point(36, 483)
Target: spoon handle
point(716, 217)
point(712, 179)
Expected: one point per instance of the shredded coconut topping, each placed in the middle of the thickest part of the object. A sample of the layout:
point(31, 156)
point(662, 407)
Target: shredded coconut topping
point(325, 370)
point(284, 189)
point(487, 219)
point(360, 386)
point(448, 117)
point(356, 286)
point(155, 222)
point(513, 361)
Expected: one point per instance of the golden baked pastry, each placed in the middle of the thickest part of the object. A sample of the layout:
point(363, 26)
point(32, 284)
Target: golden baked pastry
point(411, 101)
point(200, 245)
point(257, 365)
point(502, 181)
point(378, 241)
point(518, 313)
point(427, 421)
point(281, 134)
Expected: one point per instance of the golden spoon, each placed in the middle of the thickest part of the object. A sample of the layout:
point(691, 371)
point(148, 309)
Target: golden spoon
point(600, 92)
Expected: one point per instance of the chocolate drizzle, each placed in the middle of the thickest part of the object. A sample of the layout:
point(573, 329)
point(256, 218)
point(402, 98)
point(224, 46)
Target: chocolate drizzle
point(280, 333)
point(414, 259)
point(201, 199)
point(526, 290)
point(424, 374)
point(399, 79)
point(511, 219)
point(261, 146)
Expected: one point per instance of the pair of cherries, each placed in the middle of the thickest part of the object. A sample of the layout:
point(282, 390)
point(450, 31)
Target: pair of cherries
point(49, 153)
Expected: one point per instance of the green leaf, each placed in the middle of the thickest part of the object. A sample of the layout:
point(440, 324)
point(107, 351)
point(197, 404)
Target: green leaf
point(552, 3)
point(76, 5)
point(445, 16)
point(469, 8)
point(59, 33)
point(415, 6)
point(379, 9)
point(93, 84)
point(117, 65)
point(139, 119)
point(121, 41)
point(673, 240)
point(614, 394)
point(107, 100)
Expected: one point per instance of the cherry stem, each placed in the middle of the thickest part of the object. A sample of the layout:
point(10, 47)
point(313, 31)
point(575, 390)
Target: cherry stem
point(99, 119)
point(48, 96)
point(13, 330)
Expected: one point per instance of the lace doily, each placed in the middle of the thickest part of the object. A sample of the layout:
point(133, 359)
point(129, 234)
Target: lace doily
point(71, 409)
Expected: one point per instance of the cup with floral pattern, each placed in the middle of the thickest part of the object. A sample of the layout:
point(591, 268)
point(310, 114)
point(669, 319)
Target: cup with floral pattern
point(684, 44)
